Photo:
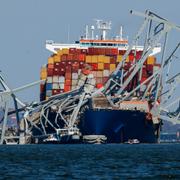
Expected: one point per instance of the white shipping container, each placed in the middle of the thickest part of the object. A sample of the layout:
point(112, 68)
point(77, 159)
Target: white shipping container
point(106, 73)
point(55, 86)
point(73, 87)
point(74, 76)
point(155, 68)
point(80, 83)
point(61, 79)
point(74, 82)
point(49, 80)
point(55, 79)
point(82, 77)
point(91, 81)
point(61, 85)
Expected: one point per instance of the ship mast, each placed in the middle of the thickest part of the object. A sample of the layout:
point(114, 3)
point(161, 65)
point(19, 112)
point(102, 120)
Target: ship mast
point(104, 27)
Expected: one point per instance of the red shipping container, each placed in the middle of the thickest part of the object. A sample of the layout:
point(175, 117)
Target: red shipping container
point(144, 73)
point(61, 90)
point(70, 57)
point(101, 51)
point(113, 59)
point(50, 66)
point(106, 66)
point(75, 65)
point(91, 51)
point(143, 79)
point(122, 52)
point(138, 57)
point(68, 82)
point(50, 72)
point(67, 88)
point(99, 85)
point(64, 57)
point(56, 71)
point(81, 57)
point(42, 88)
point(83, 51)
point(78, 51)
point(69, 63)
point(94, 66)
point(131, 57)
point(72, 50)
point(56, 65)
point(149, 67)
point(108, 51)
point(55, 91)
point(69, 69)
point(81, 65)
point(114, 51)
point(75, 57)
point(67, 76)
point(62, 64)
point(62, 71)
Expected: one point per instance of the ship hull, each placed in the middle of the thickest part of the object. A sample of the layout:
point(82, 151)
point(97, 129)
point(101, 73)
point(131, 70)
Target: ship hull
point(118, 125)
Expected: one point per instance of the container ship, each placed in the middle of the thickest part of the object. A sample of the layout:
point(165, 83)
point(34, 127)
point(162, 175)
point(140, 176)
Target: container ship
point(98, 89)
point(90, 63)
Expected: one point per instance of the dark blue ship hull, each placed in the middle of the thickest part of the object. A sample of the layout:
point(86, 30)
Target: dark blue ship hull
point(118, 125)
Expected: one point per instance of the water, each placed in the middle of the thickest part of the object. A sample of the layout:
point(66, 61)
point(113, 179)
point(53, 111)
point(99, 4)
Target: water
point(143, 161)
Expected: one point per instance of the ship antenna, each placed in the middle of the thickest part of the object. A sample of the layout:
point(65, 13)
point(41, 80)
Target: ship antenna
point(120, 33)
point(86, 32)
point(92, 32)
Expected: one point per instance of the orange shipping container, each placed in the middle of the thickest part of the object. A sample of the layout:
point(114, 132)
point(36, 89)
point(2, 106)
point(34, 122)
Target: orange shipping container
point(119, 58)
point(101, 59)
point(112, 67)
point(94, 59)
point(50, 60)
point(56, 58)
point(59, 52)
point(65, 51)
point(151, 60)
point(100, 66)
point(88, 59)
point(106, 59)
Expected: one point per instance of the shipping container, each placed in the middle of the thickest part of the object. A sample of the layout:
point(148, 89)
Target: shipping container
point(50, 60)
point(55, 86)
point(100, 66)
point(48, 86)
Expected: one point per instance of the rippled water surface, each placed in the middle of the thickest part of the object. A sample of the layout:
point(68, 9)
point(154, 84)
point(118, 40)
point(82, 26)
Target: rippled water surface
point(143, 161)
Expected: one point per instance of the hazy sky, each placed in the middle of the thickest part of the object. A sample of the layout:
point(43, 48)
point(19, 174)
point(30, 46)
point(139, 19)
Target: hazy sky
point(25, 25)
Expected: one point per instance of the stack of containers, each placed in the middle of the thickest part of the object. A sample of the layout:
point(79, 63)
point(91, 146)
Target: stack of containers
point(64, 69)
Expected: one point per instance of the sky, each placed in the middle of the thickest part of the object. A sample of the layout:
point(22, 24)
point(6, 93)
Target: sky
point(25, 25)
